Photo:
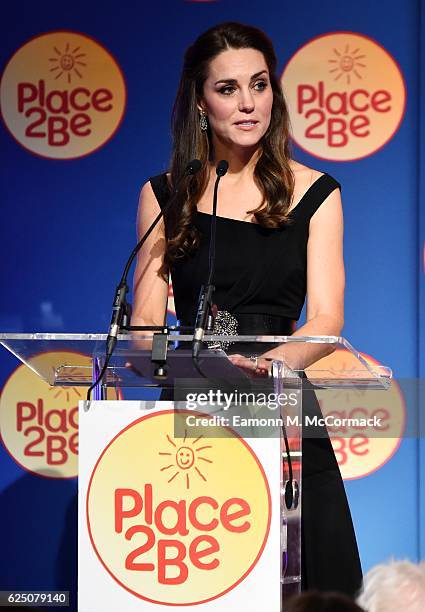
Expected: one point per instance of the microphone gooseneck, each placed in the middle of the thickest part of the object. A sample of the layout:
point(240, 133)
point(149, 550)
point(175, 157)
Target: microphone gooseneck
point(120, 307)
point(203, 312)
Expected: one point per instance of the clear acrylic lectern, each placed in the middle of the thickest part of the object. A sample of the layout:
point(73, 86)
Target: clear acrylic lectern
point(296, 362)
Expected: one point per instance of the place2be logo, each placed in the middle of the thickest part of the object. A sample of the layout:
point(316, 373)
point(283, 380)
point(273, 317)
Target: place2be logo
point(62, 95)
point(361, 448)
point(39, 423)
point(346, 96)
point(177, 521)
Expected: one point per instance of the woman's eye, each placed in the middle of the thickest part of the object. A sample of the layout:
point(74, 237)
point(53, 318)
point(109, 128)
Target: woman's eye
point(260, 85)
point(227, 90)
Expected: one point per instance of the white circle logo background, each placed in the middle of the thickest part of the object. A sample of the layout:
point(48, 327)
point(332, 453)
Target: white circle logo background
point(346, 96)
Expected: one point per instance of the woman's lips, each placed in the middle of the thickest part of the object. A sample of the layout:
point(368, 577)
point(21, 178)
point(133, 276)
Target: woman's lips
point(246, 125)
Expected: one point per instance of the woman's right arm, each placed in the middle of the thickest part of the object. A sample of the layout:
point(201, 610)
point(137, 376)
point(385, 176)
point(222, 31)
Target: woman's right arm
point(150, 291)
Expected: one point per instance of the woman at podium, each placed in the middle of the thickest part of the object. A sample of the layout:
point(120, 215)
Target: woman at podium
point(279, 238)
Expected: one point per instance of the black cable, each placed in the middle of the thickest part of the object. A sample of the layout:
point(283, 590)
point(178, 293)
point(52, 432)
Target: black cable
point(120, 306)
point(100, 377)
point(203, 311)
point(287, 450)
point(213, 231)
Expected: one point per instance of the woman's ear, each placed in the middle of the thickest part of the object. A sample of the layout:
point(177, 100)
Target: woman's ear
point(200, 106)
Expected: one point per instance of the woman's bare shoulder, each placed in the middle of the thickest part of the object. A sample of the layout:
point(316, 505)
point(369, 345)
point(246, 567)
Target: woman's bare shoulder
point(304, 177)
point(304, 174)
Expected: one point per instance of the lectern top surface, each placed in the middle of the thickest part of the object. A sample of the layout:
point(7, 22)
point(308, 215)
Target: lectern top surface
point(68, 359)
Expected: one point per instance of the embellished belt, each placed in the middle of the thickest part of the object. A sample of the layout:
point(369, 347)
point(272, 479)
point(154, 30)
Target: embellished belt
point(240, 324)
point(264, 324)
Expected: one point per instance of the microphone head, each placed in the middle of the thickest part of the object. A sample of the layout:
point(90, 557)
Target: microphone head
point(222, 167)
point(193, 166)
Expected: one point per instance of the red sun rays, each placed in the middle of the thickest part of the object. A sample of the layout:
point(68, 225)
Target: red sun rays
point(58, 391)
point(346, 64)
point(67, 62)
point(191, 453)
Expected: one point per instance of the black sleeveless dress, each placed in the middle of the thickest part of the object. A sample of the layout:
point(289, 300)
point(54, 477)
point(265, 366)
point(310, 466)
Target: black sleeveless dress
point(261, 278)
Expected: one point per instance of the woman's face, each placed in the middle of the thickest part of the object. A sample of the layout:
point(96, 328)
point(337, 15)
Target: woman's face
point(238, 97)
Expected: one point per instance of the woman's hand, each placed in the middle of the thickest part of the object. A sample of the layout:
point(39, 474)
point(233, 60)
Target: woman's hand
point(256, 367)
point(261, 367)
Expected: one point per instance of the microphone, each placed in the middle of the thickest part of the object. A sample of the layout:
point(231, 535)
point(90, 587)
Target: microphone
point(222, 168)
point(205, 295)
point(120, 307)
point(192, 168)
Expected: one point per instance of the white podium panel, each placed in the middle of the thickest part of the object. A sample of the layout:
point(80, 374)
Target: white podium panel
point(175, 511)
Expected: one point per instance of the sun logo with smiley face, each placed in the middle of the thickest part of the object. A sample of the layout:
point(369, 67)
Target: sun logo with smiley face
point(67, 62)
point(346, 62)
point(185, 459)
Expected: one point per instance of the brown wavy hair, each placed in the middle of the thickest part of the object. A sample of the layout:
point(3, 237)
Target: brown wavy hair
point(272, 172)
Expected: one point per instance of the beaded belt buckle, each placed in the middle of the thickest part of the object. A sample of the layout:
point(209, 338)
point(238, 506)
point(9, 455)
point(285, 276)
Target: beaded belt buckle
point(225, 324)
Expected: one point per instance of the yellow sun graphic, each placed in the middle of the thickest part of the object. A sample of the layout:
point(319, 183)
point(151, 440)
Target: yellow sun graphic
point(184, 459)
point(73, 393)
point(58, 391)
point(66, 62)
point(347, 62)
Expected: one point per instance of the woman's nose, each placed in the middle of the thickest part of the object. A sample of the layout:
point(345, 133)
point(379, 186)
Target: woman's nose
point(246, 101)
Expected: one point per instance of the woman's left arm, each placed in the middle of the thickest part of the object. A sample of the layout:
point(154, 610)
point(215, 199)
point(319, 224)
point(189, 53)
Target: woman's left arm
point(325, 290)
point(325, 271)
point(325, 285)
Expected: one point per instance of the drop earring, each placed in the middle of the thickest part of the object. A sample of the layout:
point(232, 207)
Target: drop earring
point(203, 122)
